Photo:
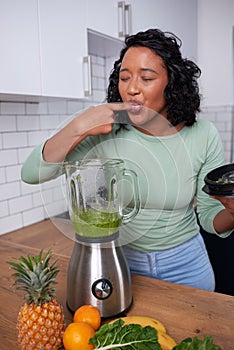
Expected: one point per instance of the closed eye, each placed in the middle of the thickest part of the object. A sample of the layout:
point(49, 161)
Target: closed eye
point(147, 79)
point(124, 78)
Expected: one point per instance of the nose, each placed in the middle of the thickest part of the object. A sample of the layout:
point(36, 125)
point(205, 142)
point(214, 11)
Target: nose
point(133, 87)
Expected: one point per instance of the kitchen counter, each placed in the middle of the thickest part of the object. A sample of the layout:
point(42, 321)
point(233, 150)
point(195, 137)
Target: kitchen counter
point(185, 311)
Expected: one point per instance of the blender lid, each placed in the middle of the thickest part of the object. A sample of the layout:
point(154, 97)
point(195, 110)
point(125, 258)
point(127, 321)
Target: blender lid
point(220, 181)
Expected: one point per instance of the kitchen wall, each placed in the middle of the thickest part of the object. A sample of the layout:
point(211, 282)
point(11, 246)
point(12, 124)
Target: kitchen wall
point(223, 118)
point(215, 51)
point(24, 125)
point(215, 57)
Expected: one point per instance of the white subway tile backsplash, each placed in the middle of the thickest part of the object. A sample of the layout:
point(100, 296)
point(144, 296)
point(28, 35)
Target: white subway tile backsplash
point(9, 190)
point(26, 188)
point(98, 60)
point(226, 135)
point(37, 200)
point(3, 208)
point(49, 121)
point(99, 95)
point(101, 84)
point(60, 194)
point(10, 223)
point(55, 208)
point(2, 175)
point(13, 108)
point(8, 157)
point(74, 106)
point(37, 108)
point(228, 146)
point(8, 123)
point(57, 107)
point(223, 119)
point(13, 173)
point(98, 70)
point(33, 215)
point(14, 140)
point(28, 122)
point(36, 137)
point(20, 204)
point(47, 197)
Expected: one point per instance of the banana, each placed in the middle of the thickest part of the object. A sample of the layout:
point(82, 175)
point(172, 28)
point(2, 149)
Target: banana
point(144, 321)
point(165, 341)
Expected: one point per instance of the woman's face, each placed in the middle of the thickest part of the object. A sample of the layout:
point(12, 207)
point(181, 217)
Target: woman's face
point(142, 81)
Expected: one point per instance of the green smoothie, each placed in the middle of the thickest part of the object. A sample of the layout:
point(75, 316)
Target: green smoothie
point(96, 223)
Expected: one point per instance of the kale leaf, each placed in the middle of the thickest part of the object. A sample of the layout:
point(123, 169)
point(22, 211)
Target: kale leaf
point(197, 344)
point(128, 337)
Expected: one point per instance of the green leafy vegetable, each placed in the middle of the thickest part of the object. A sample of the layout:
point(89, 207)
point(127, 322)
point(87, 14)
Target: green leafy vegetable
point(128, 337)
point(197, 344)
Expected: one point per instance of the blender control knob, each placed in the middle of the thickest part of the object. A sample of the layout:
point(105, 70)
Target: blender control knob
point(102, 288)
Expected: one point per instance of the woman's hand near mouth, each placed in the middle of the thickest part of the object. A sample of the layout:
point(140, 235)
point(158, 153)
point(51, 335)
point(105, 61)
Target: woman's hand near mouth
point(93, 121)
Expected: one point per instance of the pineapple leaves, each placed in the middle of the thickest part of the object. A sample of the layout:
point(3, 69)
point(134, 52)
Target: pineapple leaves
point(36, 276)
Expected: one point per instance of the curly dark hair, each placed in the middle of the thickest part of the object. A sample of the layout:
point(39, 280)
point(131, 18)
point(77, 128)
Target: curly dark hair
point(182, 92)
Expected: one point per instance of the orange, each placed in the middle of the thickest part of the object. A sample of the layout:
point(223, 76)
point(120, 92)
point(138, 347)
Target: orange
point(89, 314)
point(76, 336)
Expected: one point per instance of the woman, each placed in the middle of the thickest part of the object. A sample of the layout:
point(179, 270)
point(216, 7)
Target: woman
point(150, 122)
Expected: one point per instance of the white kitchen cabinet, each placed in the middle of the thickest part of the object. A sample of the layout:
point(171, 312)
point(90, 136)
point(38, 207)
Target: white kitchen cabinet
point(110, 17)
point(144, 14)
point(19, 42)
point(63, 44)
point(45, 44)
point(102, 16)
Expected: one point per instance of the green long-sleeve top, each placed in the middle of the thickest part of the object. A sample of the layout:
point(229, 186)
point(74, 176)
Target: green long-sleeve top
point(171, 171)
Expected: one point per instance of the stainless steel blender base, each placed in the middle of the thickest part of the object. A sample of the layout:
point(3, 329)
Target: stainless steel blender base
point(120, 314)
point(98, 274)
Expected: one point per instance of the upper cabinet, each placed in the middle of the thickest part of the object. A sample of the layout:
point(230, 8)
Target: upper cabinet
point(109, 17)
point(45, 45)
point(19, 41)
point(63, 45)
point(102, 16)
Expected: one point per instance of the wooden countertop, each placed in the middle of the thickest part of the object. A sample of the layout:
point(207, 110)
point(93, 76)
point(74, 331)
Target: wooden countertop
point(185, 311)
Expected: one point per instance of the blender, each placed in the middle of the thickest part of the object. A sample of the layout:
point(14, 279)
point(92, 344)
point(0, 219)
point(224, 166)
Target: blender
point(98, 273)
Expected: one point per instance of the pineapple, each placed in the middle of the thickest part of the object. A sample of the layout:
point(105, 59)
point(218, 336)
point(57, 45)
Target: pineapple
point(40, 322)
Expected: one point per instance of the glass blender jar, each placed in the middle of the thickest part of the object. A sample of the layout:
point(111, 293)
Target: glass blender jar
point(98, 272)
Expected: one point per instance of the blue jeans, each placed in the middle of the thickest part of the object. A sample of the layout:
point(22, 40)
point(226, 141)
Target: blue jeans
point(186, 264)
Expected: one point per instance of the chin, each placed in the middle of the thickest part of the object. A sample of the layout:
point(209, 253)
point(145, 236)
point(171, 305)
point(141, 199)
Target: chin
point(137, 119)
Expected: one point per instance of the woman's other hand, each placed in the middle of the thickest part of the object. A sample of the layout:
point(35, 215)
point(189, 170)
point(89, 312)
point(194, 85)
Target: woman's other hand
point(228, 203)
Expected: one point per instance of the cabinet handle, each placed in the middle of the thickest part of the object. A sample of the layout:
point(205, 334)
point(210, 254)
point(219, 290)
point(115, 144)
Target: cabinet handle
point(128, 23)
point(87, 63)
point(125, 19)
point(121, 17)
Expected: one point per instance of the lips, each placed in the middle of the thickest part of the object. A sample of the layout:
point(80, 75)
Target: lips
point(136, 107)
